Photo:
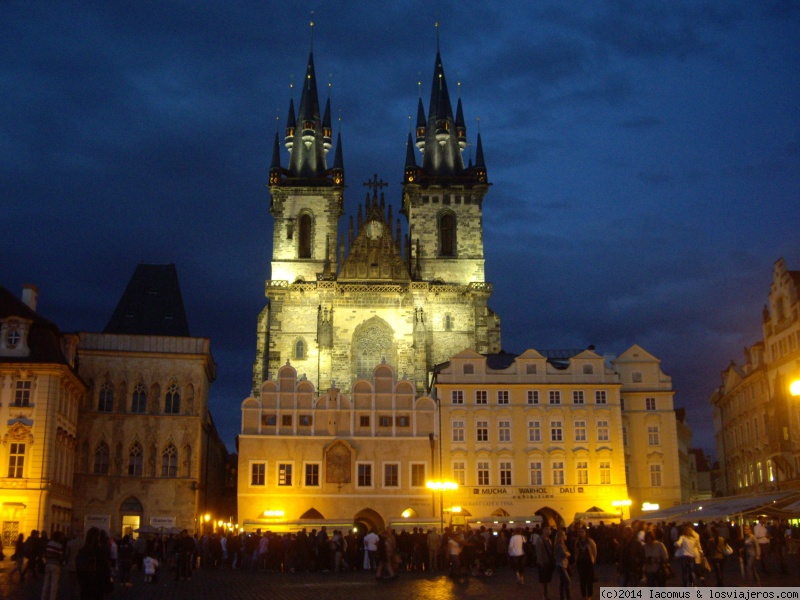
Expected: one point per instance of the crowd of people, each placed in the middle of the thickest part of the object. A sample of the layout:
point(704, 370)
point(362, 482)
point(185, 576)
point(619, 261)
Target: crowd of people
point(642, 553)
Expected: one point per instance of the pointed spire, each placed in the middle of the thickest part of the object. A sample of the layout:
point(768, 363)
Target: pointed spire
point(291, 125)
point(338, 162)
point(411, 160)
point(461, 126)
point(421, 126)
point(327, 130)
point(308, 152)
point(275, 165)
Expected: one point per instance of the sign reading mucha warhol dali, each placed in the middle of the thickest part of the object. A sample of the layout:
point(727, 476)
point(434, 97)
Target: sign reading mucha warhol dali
point(526, 493)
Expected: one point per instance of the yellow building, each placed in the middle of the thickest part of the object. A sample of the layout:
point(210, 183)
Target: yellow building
point(336, 459)
point(40, 393)
point(557, 434)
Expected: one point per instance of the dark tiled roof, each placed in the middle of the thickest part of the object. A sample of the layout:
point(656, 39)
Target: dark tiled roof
point(44, 337)
point(151, 304)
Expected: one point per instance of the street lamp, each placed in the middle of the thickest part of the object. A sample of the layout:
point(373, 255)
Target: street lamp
point(621, 504)
point(794, 388)
point(441, 486)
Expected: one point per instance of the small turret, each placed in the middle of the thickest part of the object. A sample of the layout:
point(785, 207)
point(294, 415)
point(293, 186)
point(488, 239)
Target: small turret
point(421, 127)
point(291, 125)
point(461, 127)
point(275, 166)
point(327, 131)
point(338, 162)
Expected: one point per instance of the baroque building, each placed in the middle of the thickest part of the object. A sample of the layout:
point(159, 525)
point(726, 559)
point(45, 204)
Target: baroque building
point(40, 392)
point(149, 453)
point(756, 418)
point(559, 434)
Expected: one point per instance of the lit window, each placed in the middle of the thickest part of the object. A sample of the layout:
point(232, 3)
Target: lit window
point(135, 460)
point(582, 468)
point(504, 431)
point(556, 434)
point(505, 473)
point(391, 475)
point(258, 473)
point(482, 431)
point(600, 397)
point(458, 431)
point(312, 474)
point(534, 431)
point(285, 474)
point(483, 473)
point(533, 396)
point(457, 396)
point(502, 396)
point(605, 473)
point(16, 460)
point(558, 473)
point(172, 400)
point(105, 402)
point(577, 397)
point(22, 393)
point(535, 469)
point(555, 397)
point(364, 475)
point(481, 397)
point(580, 431)
point(169, 461)
point(602, 431)
point(417, 475)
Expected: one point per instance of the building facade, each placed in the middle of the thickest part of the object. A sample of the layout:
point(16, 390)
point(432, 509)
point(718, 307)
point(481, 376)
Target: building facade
point(40, 394)
point(756, 419)
point(149, 453)
point(557, 434)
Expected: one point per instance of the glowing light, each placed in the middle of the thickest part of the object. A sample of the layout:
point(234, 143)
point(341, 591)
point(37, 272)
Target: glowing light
point(406, 513)
point(273, 513)
point(649, 506)
point(207, 518)
point(625, 502)
point(794, 387)
point(441, 486)
point(456, 509)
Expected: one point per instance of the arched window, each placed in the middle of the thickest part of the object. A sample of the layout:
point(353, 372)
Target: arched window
point(304, 241)
point(300, 350)
point(105, 401)
point(447, 235)
point(139, 401)
point(169, 461)
point(372, 344)
point(101, 459)
point(172, 400)
point(135, 460)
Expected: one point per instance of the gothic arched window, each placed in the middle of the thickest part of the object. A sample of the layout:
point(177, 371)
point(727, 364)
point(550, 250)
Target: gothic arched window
point(169, 461)
point(447, 235)
point(172, 400)
point(300, 350)
point(135, 460)
point(105, 402)
point(102, 457)
point(139, 401)
point(304, 241)
point(372, 344)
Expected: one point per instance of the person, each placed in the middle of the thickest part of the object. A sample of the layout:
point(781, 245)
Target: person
point(150, 564)
point(630, 559)
point(688, 550)
point(71, 550)
point(53, 558)
point(29, 550)
point(751, 553)
point(339, 546)
point(516, 554)
point(655, 560)
point(386, 549)
point(455, 545)
point(434, 542)
point(715, 552)
point(125, 555)
point(86, 565)
point(544, 558)
point(371, 548)
point(561, 556)
point(762, 537)
point(18, 557)
point(585, 557)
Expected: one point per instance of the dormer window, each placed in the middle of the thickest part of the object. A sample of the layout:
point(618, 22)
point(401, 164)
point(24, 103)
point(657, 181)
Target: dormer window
point(12, 338)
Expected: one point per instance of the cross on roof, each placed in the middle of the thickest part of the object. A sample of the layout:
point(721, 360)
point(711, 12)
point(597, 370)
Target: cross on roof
point(375, 183)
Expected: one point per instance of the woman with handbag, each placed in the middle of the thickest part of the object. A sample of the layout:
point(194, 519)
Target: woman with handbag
point(689, 552)
point(656, 561)
point(715, 552)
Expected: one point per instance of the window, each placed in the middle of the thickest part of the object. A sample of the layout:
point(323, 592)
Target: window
point(139, 401)
point(105, 401)
point(300, 350)
point(312, 474)
point(577, 397)
point(481, 397)
point(285, 474)
point(530, 369)
point(636, 377)
point(457, 397)
point(622, 403)
point(101, 459)
point(555, 397)
point(304, 420)
point(582, 468)
point(602, 431)
point(535, 469)
point(270, 420)
point(482, 431)
point(12, 338)
point(605, 472)
point(469, 369)
point(16, 460)
point(650, 403)
point(624, 435)
point(258, 473)
point(483, 472)
point(458, 431)
point(655, 475)
point(363, 420)
point(169, 461)
point(588, 370)
point(447, 234)
point(417, 474)
point(534, 431)
point(403, 421)
point(135, 460)
point(460, 472)
point(652, 435)
point(556, 434)
point(391, 475)
point(580, 431)
point(505, 473)
point(760, 472)
point(304, 243)
point(448, 323)
point(533, 396)
point(600, 397)
point(558, 473)
point(502, 396)
point(22, 393)
point(385, 421)
point(286, 420)
point(504, 431)
point(172, 400)
point(364, 475)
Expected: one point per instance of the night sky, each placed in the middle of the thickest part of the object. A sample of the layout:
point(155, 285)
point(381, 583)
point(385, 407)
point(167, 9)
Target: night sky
point(644, 156)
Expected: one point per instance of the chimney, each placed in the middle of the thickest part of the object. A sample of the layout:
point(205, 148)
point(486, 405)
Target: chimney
point(30, 293)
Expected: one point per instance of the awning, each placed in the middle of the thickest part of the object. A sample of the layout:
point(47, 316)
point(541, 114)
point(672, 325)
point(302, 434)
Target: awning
point(494, 520)
point(597, 516)
point(722, 508)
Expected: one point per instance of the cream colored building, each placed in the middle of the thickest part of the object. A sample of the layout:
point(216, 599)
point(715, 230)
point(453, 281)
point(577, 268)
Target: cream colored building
point(557, 434)
point(149, 453)
point(40, 392)
point(756, 420)
point(336, 459)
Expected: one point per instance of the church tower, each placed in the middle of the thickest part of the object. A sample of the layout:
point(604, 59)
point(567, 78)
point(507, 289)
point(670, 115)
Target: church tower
point(342, 304)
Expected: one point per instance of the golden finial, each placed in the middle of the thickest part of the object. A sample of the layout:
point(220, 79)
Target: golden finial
point(311, 30)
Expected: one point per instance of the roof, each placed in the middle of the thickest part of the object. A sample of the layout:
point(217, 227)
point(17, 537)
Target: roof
point(151, 304)
point(44, 337)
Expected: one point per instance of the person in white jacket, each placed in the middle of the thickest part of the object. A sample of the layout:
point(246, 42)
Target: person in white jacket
point(689, 552)
point(516, 553)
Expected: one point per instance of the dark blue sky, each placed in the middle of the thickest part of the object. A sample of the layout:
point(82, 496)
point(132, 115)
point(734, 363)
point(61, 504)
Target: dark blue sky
point(644, 155)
